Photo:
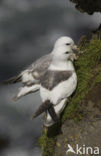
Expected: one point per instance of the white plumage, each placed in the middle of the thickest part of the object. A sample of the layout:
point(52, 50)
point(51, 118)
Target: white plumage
point(30, 77)
point(67, 85)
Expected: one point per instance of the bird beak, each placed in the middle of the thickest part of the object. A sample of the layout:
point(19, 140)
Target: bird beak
point(73, 57)
point(75, 48)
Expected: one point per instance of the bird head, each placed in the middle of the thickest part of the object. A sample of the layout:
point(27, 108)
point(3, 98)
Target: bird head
point(65, 40)
point(62, 53)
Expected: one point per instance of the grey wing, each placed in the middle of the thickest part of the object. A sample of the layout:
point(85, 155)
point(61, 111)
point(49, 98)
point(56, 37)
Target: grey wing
point(37, 69)
point(52, 78)
point(31, 76)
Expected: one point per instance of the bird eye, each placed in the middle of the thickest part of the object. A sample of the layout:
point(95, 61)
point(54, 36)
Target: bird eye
point(66, 52)
point(67, 43)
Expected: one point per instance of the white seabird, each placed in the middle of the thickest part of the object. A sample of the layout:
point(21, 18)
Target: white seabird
point(57, 84)
point(30, 78)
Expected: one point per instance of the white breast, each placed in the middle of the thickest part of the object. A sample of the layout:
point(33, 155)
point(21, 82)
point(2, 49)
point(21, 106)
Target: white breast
point(61, 91)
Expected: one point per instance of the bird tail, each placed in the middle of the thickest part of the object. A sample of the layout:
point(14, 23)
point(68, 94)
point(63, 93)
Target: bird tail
point(43, 107)
point(13, 80)
point(46, 106)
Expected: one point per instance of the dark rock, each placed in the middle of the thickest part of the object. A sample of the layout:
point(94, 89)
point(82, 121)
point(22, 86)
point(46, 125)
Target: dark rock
point(89, 6)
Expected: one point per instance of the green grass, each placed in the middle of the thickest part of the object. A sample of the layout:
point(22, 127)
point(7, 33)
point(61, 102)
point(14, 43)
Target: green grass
point(85, 65)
